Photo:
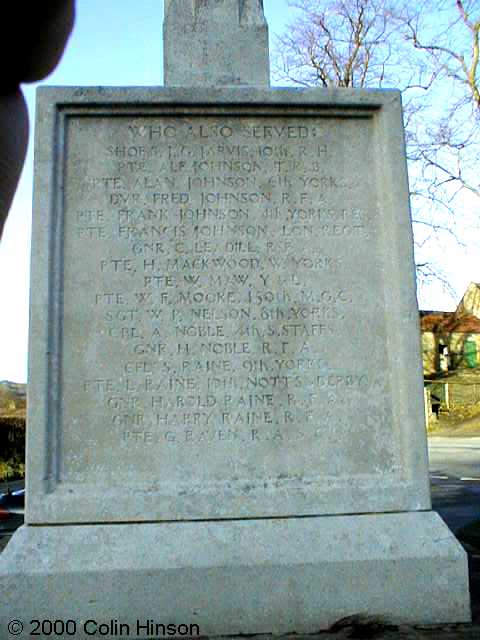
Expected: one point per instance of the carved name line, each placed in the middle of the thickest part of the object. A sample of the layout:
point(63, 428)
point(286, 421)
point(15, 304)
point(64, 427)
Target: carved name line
point(228, 435)
point(148, 233)
point(323, 307)
point(228, 347)
point(185, 318)
point(198, 268)
point(205, 152)
point(283, 171)
point(145, 369)
point(327, 382)
point(201, 218)
point(173, 402)
point(234, 433)
point(235, 417)
point(116, 185)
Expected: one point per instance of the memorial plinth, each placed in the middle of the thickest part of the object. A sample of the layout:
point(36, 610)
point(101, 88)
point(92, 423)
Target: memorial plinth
point(232, 306)
point(225, 394)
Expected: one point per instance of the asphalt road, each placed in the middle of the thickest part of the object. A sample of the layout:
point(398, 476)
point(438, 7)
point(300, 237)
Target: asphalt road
point(455, 479)
point(8, 527)
point(15, 485)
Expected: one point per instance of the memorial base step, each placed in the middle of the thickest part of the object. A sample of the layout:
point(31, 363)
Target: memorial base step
point(237, 577)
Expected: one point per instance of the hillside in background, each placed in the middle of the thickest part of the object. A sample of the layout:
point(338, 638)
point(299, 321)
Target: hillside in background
point(13, 403)
point(13, 398)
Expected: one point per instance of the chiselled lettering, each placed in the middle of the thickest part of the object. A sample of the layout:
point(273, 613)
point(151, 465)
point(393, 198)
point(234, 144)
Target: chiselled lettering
point(213, 261)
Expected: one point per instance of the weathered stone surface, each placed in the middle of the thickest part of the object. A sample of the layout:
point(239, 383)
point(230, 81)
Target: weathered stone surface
point(218, 43)
point(243, 577)
point(224, 336)
point(233, 327)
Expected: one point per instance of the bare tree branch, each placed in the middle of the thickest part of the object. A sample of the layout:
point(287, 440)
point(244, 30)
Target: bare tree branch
point(430, 49)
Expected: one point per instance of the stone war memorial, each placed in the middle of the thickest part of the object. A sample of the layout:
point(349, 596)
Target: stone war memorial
point(225, 396)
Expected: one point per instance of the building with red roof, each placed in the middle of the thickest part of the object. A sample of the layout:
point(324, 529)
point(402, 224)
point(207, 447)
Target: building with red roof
point(451, 339)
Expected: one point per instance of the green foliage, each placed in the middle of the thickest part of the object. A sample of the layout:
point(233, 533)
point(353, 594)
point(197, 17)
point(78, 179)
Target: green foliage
point(11, 470)
point(12, 448)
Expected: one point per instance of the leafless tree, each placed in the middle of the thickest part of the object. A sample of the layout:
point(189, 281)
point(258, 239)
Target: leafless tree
point(449, 146)
point(442, 98)
point(342, 43)
point(429, 49)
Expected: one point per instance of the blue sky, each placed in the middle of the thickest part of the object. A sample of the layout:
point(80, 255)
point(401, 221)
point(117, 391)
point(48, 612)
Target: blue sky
point(115, 42)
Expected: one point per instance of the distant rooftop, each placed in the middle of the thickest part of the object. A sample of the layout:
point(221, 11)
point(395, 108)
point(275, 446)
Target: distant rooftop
point(424, 312)
point(449, 322)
